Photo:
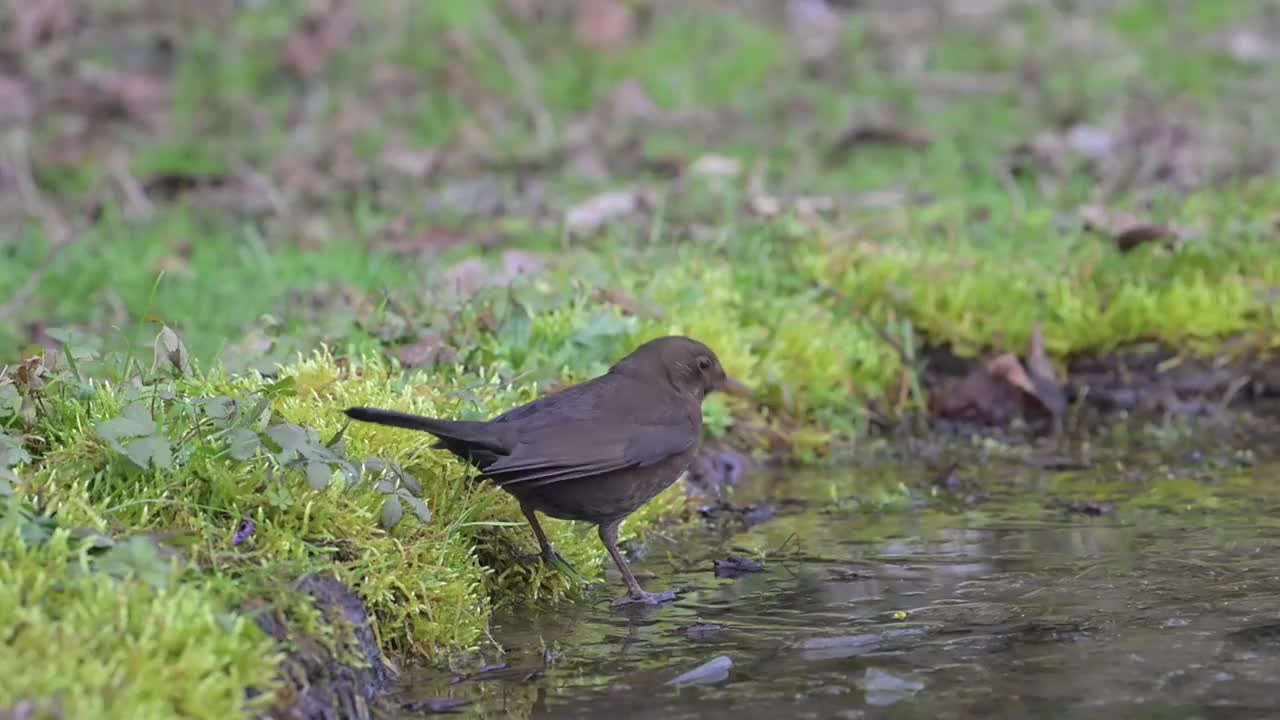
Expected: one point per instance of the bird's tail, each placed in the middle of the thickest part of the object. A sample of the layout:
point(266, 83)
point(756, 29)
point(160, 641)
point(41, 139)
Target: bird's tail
point(465, 432)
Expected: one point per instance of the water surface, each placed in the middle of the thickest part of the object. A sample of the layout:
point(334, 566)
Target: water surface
point(991, 599)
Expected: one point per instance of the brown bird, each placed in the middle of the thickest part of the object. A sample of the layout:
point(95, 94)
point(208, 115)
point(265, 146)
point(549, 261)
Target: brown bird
point(594, 452)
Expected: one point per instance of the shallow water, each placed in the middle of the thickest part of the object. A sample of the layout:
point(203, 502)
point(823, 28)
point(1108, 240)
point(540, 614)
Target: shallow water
point(989, 601)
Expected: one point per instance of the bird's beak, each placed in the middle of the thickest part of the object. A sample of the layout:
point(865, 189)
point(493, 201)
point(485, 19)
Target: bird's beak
point(732, 386)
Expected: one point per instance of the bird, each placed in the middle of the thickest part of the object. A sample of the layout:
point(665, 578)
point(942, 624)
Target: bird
point(593, 452)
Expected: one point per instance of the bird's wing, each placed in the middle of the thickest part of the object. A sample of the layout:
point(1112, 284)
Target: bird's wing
point(601, 426)
point(576, 449)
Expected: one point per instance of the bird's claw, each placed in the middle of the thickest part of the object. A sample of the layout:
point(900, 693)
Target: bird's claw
point(646, 598)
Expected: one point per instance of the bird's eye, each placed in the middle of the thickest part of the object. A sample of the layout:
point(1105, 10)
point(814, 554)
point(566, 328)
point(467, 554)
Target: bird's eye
point(704, 363)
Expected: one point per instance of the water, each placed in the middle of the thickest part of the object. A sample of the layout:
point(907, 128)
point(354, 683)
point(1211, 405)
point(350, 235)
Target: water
point(994, 601)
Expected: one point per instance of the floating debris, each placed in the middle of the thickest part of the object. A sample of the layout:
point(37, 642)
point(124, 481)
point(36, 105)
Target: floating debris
point(712, 671)
point(733, 566)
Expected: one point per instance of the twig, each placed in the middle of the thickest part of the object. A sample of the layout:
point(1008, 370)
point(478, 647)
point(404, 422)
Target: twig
point(1232, 390)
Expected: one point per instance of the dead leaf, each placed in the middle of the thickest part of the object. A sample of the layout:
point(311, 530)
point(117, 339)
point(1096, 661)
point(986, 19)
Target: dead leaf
point(716, 166)
point(41, 22)
point(604, 24)
point(1044, 378)
point(630, 101)
point(414, 164)
point(17, 101)
point(1141, 234)
point(624, 302)
point(435, 239)
point(590, 215)
point(518, 264)
point(995, 392)
point(467, 277)
point(428, 350)
point(886, 135)
point(169, 347)
point(1246, 46)
point(1008, 369)
point(1127, 230)
point(765, 205)
point(526, 9)
point(110, 94)
point(29, 375)
point(474, 274)
point(1038, 362)
point(735, 565)
point(815, 28)
point(1090, 141)
point(319, 36)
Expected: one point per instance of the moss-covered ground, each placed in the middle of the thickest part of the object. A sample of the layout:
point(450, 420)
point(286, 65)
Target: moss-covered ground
point(224, 222)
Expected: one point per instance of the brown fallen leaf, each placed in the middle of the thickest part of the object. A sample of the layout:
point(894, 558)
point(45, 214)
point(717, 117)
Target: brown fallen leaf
point(1043, 375)
point(526, 9)
point(995, 392)
point(1141, 234)
point(414, 164)
point(593, 213)
point(625, 302)
point(1044, 378)
point(604, 24)
point(887, 135)
point(976, 398)
point(716, 166)
point(17, 100)
point(467, 277)
point(437, 238)
point(37, 23)
point(816, 29)
point(1128, 231)
point(105, 93)
point(630, 101)
point(474, 274)
point(735, 565)
point(429, 350)
point(318, 37)
point(1244, 45)
point(1090, 141)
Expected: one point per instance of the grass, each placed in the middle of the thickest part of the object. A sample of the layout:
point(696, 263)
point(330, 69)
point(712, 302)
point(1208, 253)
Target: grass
point(288, 293)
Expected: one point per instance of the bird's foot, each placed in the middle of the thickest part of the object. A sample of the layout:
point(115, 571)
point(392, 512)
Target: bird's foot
point(646, 598)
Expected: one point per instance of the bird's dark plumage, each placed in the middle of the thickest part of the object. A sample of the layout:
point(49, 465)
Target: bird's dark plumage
point(597, 451)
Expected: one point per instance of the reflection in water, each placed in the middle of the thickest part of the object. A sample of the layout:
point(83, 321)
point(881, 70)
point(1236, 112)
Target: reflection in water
point(1001, 609)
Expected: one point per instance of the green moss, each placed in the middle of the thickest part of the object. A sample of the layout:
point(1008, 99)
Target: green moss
point(1089, 296)
point(93, 645)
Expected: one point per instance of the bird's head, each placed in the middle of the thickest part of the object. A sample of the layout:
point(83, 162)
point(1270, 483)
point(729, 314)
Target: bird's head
point(686, 364)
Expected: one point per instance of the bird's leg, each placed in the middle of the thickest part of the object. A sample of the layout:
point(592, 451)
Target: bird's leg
point(635, 593)
point(547, 551)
